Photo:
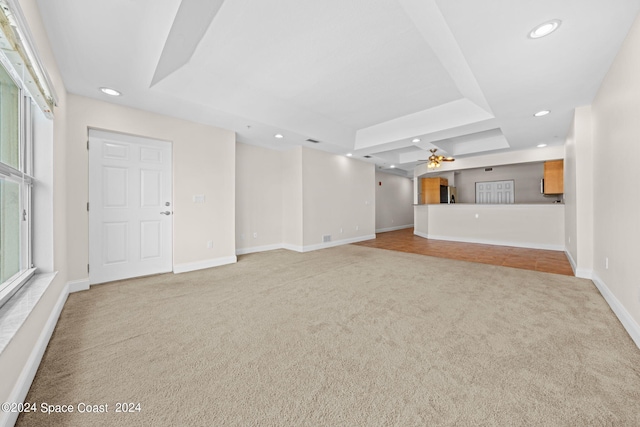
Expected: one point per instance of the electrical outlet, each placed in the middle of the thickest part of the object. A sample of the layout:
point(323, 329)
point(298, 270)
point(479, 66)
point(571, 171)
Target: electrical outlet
point(340, 230)
point(255, 235)
point(210, 244)
point(477, 216)
point(242, 236)
point(569, 239)
point(357, 227)
point(606, 263)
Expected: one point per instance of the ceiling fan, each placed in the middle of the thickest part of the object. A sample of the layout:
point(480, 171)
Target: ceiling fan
point(434, 161)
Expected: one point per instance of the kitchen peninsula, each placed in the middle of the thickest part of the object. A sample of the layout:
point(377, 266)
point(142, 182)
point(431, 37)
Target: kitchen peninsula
point(538, 226)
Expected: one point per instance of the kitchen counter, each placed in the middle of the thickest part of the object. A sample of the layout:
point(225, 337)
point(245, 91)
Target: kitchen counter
point(539, 226)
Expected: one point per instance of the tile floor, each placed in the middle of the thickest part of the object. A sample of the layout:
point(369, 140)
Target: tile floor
point(528, 259)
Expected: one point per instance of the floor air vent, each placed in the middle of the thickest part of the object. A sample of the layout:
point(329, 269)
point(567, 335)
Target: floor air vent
point(326, 238)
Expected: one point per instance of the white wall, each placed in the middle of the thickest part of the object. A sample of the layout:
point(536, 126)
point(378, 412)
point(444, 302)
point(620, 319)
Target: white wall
point(338, 195)
point(14, 359)
point(578, 177)
point(616, 179)
point(394, 202)
point(203, 163)
point(292, 199)
point(528, 226)
point(259, 198)
point(570, 203)
point(421, 220)
point(527, 178)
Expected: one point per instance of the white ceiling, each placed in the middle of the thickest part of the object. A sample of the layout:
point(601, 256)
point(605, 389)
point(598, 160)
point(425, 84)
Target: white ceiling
point(360, 76)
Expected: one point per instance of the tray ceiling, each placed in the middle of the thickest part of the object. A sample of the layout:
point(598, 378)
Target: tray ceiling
point(366, 77)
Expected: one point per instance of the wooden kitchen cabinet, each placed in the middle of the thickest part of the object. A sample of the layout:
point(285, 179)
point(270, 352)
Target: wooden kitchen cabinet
point(431, 190)
point(554, 177)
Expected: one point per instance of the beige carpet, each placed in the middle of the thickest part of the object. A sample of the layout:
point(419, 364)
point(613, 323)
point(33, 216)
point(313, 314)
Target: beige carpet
point(348, 336)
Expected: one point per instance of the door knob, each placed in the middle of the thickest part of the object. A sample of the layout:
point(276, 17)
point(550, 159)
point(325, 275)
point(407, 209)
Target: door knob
point(165, 213)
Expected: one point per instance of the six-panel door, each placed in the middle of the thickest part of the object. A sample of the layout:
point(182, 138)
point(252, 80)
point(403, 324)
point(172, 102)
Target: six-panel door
point(130, 207)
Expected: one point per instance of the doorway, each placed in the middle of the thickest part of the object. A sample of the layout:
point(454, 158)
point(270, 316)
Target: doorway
point(130, 206)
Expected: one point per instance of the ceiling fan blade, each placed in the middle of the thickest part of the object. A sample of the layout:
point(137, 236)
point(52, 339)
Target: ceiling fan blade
point(448, 159)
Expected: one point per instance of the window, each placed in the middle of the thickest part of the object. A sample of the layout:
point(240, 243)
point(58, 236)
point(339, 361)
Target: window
point(15, 185)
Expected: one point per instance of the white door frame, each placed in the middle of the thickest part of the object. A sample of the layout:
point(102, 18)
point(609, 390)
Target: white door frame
point(130, 206)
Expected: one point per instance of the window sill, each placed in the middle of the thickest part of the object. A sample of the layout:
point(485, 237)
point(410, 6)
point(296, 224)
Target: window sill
point(16, 310)
point(15, 285)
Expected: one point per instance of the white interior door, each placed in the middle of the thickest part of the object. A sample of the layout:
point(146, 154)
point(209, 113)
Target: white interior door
point(495, 192)
point(484, 192)
point(130, 207)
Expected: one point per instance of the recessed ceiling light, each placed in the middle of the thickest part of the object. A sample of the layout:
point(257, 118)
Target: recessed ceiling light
point(279, 135)
point(542, 113)
point(349, 154)
point(541, 145)
point(415, 140)
point(109, 91)
point(545, 29)
point(392, 166)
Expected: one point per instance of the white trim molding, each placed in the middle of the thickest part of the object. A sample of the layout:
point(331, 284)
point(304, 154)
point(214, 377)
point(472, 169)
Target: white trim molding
point(78, 285)
point(582, 273)
point(201, 265)
point(325, 245)
point(571, 261)
point(307, 248)
point(21, 388)
point(421, 234)
point(291, 247)
point(527, 245)
point(631, 326)
point(243, 251)
point(400, 227)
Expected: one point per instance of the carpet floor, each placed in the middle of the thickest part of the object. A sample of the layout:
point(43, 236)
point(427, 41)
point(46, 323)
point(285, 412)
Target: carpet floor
point(347, 336)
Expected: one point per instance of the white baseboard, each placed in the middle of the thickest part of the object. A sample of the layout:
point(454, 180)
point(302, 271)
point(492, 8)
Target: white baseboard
point(583, 273)
point(527, 245)
point(325, 245)
point(78, 285)
point(628, 322)
point(294, 248)
point(21, 388)
point(201, 265)
point(254, 249)
point(307, 248)
point(571, 261)
point(400, 227)
point(421, 234)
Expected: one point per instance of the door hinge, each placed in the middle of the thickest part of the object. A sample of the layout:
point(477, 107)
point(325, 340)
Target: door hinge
point(87, 206)
point(88, 269)
point(24, 214)
point(87, 144)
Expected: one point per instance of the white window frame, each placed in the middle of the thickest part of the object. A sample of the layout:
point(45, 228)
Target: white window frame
point(23, 176)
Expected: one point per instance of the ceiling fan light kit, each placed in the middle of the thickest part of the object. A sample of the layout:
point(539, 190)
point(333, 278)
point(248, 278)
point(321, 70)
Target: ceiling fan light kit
point(435, 161)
